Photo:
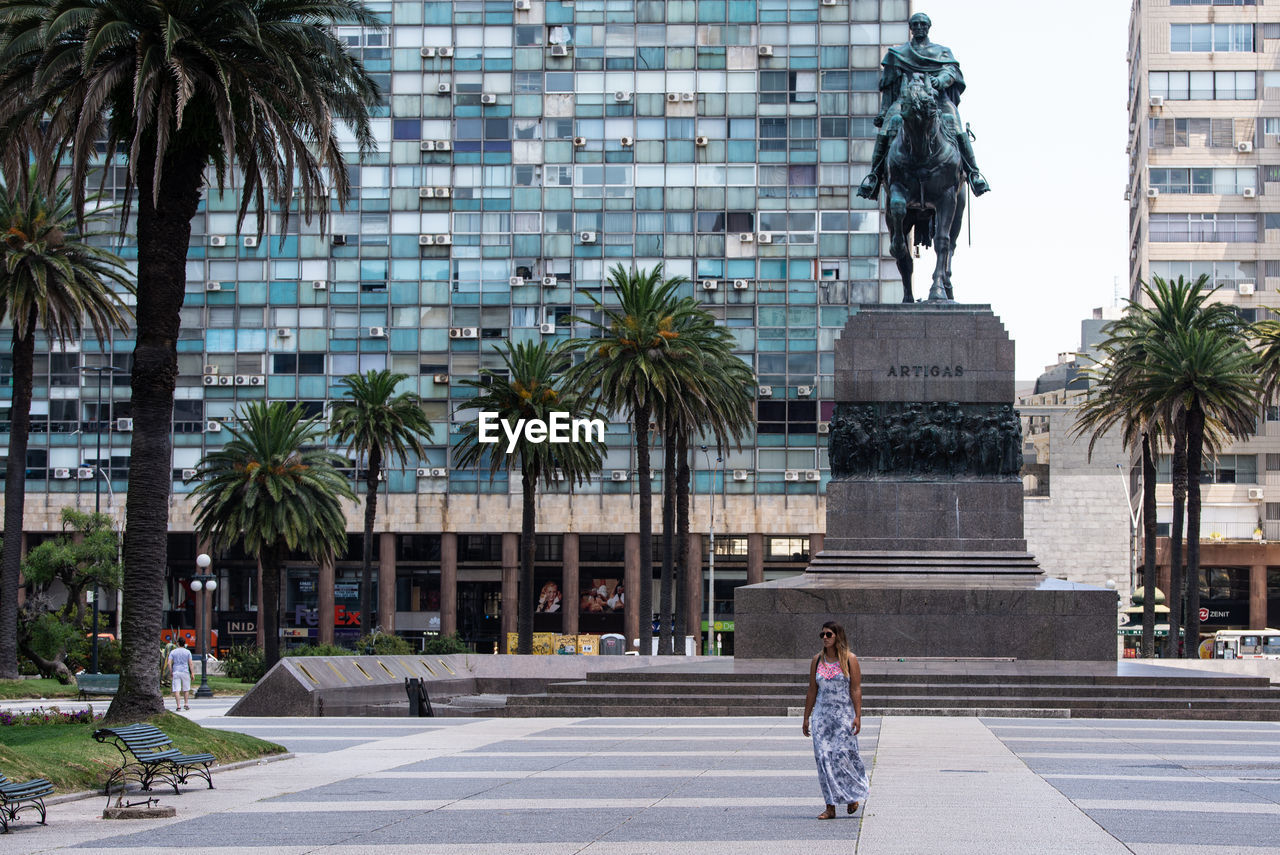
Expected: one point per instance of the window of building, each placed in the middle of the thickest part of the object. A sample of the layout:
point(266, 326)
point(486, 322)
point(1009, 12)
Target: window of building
point(787, 549)
point(1220, 181)
point(1221, 274)
point(1200, 132)
point(1203, 85)
point(1194, 228)
point(1211, 37)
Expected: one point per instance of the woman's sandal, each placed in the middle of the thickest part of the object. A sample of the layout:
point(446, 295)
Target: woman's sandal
point(853, 807)
point(829, 813)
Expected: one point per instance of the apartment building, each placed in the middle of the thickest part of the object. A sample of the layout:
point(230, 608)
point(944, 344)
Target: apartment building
point(1204, 195)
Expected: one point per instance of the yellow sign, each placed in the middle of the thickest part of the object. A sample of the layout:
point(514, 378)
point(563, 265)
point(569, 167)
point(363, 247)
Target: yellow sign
point(566, 644)
point(544, 643)
point(589, 645)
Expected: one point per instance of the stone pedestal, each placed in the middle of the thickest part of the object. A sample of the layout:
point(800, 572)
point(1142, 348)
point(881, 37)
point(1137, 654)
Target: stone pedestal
point(924, 553)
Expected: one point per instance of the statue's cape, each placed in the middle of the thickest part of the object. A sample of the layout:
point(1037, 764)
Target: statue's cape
point(906, 59)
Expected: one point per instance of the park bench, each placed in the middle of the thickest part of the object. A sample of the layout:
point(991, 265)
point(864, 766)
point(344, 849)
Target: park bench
point(15, 797)
point(97, 684)
point(147, 755)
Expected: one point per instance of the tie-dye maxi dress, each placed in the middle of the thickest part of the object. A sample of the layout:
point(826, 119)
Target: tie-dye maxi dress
point(835, 746)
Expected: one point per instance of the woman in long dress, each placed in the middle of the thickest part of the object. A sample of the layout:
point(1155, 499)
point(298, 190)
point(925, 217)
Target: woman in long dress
point(835, 704)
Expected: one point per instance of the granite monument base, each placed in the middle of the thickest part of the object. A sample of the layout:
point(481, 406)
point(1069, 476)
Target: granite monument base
point(906, 614)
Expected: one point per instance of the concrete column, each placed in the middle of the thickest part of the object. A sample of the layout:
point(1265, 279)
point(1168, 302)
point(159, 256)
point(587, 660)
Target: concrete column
point(448, 583)
point(1258, 596)
point(569, 585)
point(386, 582)
point(631, 581)
point(755, 558)
point(694, 606)
point(325, 600)
point(815, 543)
point(510, 586)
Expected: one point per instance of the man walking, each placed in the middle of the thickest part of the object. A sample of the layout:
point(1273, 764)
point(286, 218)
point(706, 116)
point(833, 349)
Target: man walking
point(179, 664)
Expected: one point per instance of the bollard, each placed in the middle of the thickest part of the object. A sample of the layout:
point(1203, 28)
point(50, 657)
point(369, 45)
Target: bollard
point(419, 703)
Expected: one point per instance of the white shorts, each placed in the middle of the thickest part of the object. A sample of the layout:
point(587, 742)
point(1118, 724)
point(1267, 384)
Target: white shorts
point(181, 681)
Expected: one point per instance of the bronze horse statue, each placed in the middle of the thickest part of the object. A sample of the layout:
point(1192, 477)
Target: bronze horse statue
point(926, 187)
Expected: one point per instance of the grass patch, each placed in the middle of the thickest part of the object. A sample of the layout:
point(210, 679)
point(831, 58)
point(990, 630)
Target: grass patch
point(21, 690)
point(69, 756)
point(18, 690)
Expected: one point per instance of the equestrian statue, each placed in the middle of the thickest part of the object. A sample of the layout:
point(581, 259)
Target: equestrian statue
point(923, 155)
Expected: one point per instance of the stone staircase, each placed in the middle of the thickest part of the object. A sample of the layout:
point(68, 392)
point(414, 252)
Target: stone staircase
point(661, 692)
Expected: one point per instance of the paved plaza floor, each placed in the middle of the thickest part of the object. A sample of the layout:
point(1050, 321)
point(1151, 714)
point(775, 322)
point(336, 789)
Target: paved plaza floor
point(714, 786)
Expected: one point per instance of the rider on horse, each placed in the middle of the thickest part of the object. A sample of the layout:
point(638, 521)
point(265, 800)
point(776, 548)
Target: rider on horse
point(942, 71)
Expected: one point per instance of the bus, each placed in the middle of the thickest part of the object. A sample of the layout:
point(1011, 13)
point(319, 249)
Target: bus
point(1247, 644)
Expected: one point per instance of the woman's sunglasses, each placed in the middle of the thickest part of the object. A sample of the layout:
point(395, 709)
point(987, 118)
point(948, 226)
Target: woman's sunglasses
point(826, 635)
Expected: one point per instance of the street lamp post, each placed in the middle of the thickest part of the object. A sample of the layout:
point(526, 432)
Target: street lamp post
point(206, 581)
point(97, 494)
point(711, 560)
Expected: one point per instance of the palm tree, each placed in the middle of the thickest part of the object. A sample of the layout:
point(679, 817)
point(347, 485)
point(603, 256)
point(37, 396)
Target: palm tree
point(276, 490)
point(635, 362)
point(531, 386)
point(1206, 376)
point(51, 279)
point(1176, 367)
point(711, 399)
point(377, 425)
point(177, 86)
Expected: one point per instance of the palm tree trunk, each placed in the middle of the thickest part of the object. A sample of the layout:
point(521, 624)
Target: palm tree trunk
point(1179, 473)
point(528, 525)
point(1195, 459)
point(682, 539)
point(164, 230)
point(644, 600)
point(269, 609)
point(15, 493)
point(1148, 548)
point(366, 560)
point(668, 540)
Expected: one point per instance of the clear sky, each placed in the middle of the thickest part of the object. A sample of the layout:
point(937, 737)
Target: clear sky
point(1046, 99)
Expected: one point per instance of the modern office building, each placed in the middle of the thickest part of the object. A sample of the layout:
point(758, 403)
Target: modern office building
point(524, 148)
point(1204, 195)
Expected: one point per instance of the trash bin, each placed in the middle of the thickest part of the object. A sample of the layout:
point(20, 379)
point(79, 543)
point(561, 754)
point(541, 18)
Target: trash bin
point(612, 644)
point(419, 703)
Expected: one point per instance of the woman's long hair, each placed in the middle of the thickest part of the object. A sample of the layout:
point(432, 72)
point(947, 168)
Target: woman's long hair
point(842, 645)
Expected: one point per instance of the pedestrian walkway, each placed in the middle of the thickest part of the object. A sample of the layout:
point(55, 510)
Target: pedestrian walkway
point(716, 786)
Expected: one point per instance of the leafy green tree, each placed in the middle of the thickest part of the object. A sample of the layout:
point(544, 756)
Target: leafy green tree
point(531, 386)
point(175, 87)
point(378, 426)
point(275, 490)
point(635, 361)
point(51, 279)
point(52, 622)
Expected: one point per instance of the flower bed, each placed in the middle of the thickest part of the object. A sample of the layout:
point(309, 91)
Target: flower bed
point(52, 715)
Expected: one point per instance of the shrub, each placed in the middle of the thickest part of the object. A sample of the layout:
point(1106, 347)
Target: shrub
point(384, 644)
point(445, 644)
point(245, 663)
point(319, 650)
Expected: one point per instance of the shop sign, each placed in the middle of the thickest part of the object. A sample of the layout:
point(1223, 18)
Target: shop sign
point(346, 590)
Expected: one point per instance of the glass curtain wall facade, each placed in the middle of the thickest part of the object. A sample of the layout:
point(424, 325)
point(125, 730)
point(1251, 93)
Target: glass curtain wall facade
point(524, 148)
point(1204, 196)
